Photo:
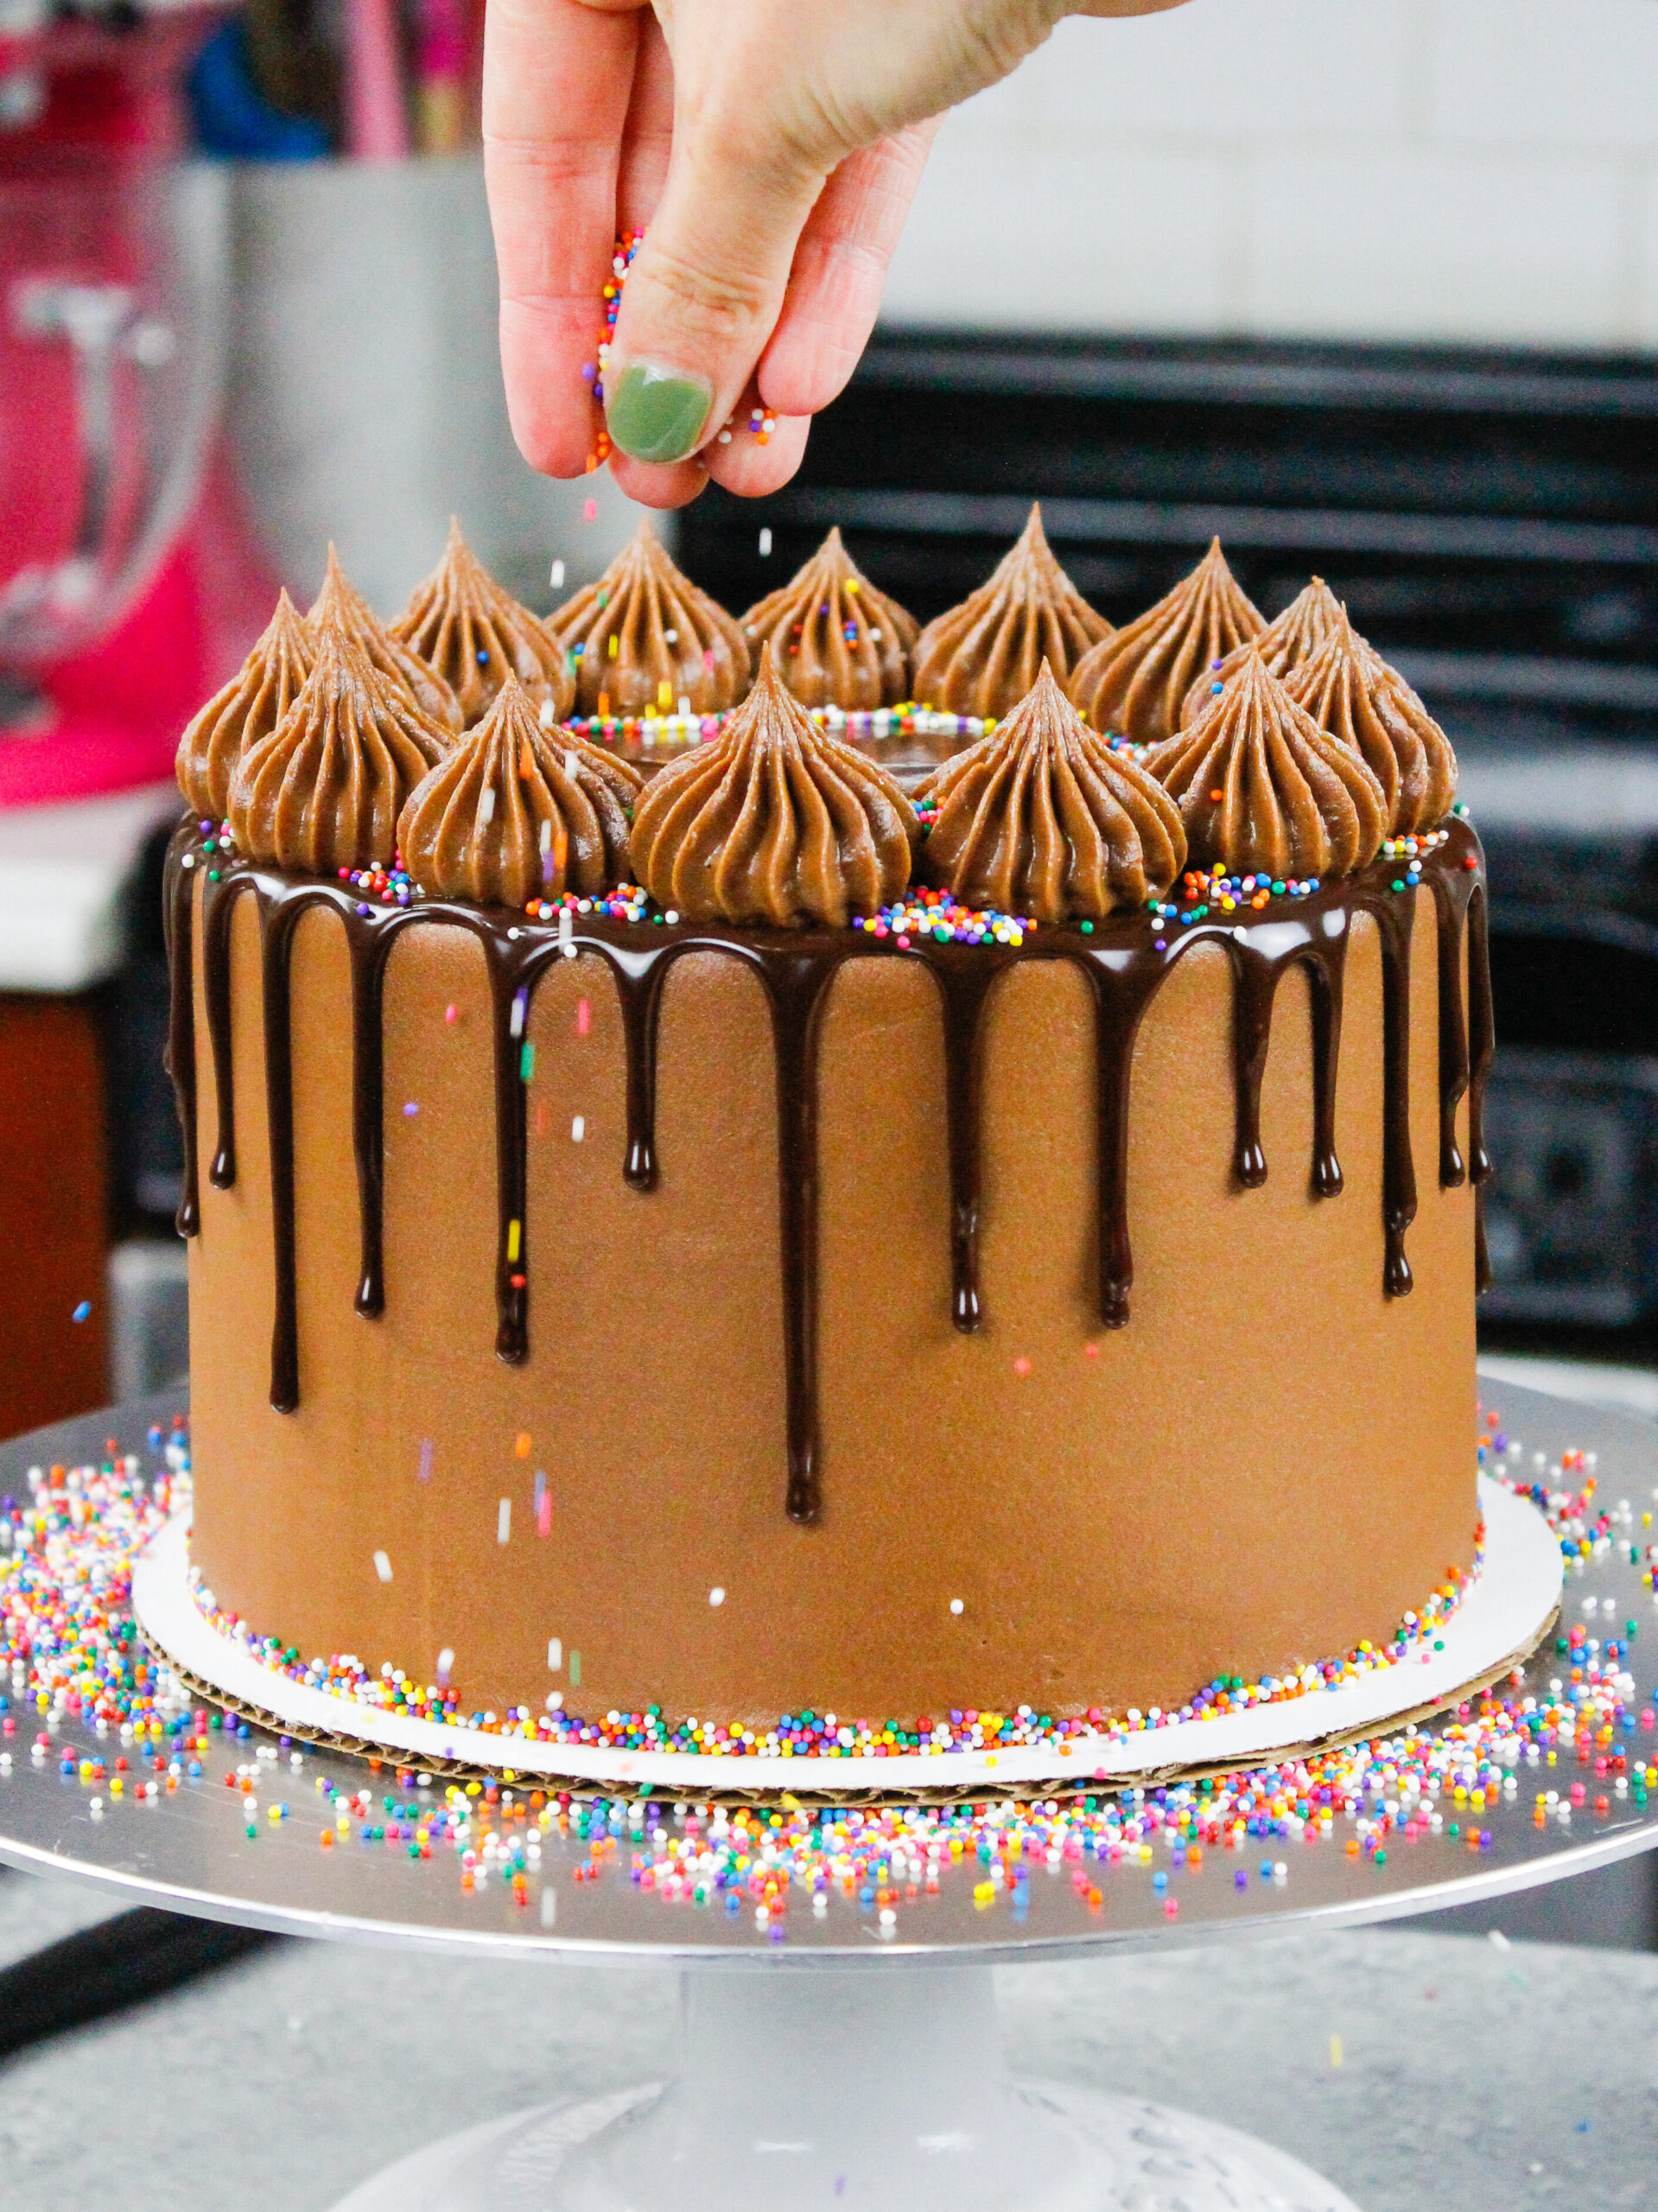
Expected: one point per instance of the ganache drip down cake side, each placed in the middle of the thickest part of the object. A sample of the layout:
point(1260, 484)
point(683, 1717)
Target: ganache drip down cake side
point(831, 1246)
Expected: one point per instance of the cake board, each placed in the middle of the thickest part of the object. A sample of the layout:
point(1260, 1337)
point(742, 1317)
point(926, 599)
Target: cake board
point(851, 2055)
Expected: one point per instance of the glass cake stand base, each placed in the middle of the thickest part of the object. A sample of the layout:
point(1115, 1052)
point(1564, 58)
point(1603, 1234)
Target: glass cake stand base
point(886, 2092)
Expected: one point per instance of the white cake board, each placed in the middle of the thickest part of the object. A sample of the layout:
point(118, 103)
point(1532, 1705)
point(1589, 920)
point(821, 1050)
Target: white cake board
point(1503, 1613)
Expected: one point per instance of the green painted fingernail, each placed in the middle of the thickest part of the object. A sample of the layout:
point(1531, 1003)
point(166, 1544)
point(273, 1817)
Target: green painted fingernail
point(657, 414)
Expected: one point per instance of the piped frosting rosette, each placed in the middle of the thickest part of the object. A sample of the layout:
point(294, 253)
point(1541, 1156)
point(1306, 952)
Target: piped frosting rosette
point(247, 709)
point(340, 606)
point(981, 657)
point(474, 635)
point(774, 820)
point(1135, 682)
point(836, 641)
point(644, 638)
point(1350, 690)
point(1043, 819)
point(322, 791)
point(1287, 640)
point(1262, 790)
point(519, 811)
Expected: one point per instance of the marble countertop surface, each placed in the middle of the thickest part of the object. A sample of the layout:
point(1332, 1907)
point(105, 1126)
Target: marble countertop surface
point(1415, 2068)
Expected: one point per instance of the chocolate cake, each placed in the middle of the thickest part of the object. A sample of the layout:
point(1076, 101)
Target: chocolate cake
point(672, 1252)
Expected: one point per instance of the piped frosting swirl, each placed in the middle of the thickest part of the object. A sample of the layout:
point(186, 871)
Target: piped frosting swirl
point(836, 641)
point(323, 790)
point(644, 638)
point(519, 811)
point(981, 657)
point(474, 635)
point(1350, 690)
point(1043, 819)
point(340, 606)
point(247, 709)
point(773, 821)
point(1287, 640)
point(1135, 682)
point(1262, 790)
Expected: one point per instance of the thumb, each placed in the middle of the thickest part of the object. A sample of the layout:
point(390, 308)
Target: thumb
point(706, 288)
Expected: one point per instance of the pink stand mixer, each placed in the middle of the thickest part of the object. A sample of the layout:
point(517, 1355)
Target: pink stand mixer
point(127, 589)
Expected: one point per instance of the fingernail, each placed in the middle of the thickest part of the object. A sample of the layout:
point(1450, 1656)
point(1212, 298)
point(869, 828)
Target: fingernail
point(657, 414)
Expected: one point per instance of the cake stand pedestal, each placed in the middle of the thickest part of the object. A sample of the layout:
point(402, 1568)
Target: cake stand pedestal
point(849, 2061)
point(869, 2088)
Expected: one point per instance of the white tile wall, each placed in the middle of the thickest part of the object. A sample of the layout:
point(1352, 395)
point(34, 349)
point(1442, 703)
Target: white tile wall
point(1479, 171)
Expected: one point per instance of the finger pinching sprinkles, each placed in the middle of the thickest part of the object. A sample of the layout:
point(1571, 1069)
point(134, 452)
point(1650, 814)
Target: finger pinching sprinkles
point(88, 1699)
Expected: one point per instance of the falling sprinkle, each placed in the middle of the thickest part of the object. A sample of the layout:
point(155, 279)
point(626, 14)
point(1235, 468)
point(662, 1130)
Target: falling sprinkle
point(445, 1665)
point(1021, 1365)
point(521, 1446)
point(383, 1567)
point(578, 1128)
point(956, 1605)
point(486, 804)
point(1336, 2050)
point(590, 511)
point(451, 1014)
point(82, 1310)
point(766, 543)
point(716, 1596)
point(504, 1523)
point(575, 1670)
point(583, 1017)
point(409, 1108)
point(543, 1505)
point(555, 1654)
point(556, 579)
point(424, 1470)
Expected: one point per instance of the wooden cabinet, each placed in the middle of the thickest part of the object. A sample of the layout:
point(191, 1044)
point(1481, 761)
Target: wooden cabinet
point(54, 1211)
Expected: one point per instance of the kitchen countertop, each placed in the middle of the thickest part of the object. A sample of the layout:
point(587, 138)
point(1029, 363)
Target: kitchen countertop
point(64, 871)
point(1413, 2070)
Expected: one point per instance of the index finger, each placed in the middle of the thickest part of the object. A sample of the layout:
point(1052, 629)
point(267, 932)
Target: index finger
point(557, 78)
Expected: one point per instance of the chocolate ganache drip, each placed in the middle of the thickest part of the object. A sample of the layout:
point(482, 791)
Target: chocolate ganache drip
point(644, 638)
point(1262, 790)
point(1043, 819)
point(773, 821)
point(247, 709)
point(474, 635)
point(1125, 961)
point(1287, 640)
point(836, 641)
point(1135, 681)
point(981, 659)
point(519, 812)
point(323, 790)
point(1350, 690)
point(340, 606)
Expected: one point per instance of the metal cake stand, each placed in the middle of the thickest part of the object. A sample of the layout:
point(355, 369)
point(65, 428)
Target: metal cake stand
point(846, 2062)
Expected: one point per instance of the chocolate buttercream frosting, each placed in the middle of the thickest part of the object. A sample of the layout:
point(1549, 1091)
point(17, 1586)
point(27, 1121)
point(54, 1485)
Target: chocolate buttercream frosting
point(1350, 690)
point(644, 637)
point(1287, 640)
point(340, 606)
point(322, 791)
point(1135, 681)
point(1043, 819)
point(1263, 789)
point(836, 641)
point(519, 811)
point(981, 657)
point(774, 820)
point(247, 709)
point(474, 635)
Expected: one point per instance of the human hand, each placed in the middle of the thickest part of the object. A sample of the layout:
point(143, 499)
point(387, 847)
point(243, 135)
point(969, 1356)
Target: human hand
point(773, 147)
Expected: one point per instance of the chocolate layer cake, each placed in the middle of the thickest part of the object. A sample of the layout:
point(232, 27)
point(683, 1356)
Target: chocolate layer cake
point(760, 1241)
